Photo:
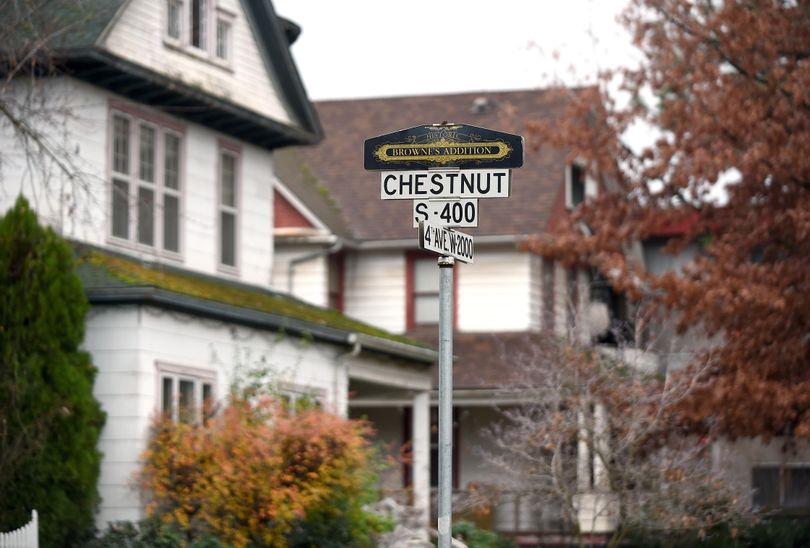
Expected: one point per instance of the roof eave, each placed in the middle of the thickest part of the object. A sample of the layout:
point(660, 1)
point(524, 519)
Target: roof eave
point(103, 69)
point(150, 295)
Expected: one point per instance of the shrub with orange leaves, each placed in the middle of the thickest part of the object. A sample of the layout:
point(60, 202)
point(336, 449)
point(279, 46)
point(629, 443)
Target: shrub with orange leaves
point(259, 475)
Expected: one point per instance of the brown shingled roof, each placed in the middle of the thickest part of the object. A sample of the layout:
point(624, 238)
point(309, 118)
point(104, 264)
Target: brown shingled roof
point(492, 360)
point(337, 162)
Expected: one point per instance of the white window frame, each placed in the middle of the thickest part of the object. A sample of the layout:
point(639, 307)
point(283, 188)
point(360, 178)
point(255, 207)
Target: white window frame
point(177, 373)
point(135, 183)
point(589, 190)
point(168, 38)
point(208, 51)
point(291, 393)
point(235, 210)
point(227, 18)
point(115, 175)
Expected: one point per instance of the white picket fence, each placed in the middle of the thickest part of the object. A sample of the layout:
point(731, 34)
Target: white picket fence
point(26, 536)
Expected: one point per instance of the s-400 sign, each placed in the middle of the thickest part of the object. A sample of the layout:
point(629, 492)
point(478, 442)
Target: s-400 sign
point(458, 212)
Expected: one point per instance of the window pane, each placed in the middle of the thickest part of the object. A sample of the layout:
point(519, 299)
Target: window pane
point(186, 403)
point(208, 400)
point(426, 309)
point(171, 223)
point(223, 36)
point(120, 209)
point(765, 481)
point(167, 395)
point(198, 23)
point(797, 487)
point(425, 276)
point(147, 154)
point(228, 239)
point(146, 216)
point(577, 185)
point(172, 162)
point(228, 178)
point(121, 145)
point(173, 19)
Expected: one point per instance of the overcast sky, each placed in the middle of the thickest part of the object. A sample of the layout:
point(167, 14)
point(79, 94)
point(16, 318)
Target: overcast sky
point(376, 48)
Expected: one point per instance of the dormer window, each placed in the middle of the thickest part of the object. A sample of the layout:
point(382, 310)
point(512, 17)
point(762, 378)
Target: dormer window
point(200, 28)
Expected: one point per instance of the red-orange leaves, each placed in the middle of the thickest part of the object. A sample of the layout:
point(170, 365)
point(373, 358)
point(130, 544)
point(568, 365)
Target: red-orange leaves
point(727, 85)
point(250, 474)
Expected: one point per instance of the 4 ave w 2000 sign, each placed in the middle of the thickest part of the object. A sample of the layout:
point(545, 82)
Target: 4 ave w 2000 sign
point(444, 241)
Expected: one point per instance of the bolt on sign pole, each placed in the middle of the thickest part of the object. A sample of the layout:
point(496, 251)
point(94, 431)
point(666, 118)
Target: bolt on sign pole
point(445, 169)
point(445, 399)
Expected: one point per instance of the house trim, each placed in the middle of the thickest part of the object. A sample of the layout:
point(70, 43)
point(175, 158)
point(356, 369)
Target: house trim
point(143, 85)
point(254, 318)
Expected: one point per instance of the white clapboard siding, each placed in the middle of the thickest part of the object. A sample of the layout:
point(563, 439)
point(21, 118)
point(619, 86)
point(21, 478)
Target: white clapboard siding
point(128, 345)
point(73, 208)
point(26, 536)
point(494, 292)
point(535, 292)
point(310, 278)
point(81, 210)
point(560, 300)
point(374, 289)
point(138, 36)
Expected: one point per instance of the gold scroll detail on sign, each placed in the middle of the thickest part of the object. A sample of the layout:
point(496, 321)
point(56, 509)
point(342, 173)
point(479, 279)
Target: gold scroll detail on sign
point(442, 151)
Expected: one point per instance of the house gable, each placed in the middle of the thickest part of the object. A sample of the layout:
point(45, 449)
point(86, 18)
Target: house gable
point(245, 78)
point(255, 94)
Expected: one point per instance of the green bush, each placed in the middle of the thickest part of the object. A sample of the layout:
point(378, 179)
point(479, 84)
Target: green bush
point(474, 537)
point(149, 533)
point(772, 532)
point(50, 420)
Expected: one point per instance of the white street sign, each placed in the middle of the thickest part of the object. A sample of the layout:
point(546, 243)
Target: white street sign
point(445, 241)
point(464, 183)
point(453, 212)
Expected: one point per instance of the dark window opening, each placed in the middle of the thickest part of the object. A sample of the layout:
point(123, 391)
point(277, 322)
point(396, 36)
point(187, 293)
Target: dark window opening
point(786, 487)
point(577, 185)
point(621, 330)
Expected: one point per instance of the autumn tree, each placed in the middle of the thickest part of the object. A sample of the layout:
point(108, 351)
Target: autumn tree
point(725, 88)
point(591, 448)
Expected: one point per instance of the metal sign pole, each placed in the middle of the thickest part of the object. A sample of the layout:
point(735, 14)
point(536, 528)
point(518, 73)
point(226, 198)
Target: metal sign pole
point(445, 398)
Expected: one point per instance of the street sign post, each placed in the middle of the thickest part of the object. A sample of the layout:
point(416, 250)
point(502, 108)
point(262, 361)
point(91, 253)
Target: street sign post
point(445, 168)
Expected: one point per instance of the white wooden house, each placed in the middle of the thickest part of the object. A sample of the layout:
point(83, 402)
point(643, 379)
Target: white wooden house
point(171, 111)
point(337, 243)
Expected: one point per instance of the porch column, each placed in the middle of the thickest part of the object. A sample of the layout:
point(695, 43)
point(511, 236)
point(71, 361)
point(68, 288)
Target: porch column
point(420, 437)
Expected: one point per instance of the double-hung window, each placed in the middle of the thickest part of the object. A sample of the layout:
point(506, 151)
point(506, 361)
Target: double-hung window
point(145, 198)
point(228, 208)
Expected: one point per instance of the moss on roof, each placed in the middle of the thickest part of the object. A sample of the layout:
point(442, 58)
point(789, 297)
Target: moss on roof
point(102, 270)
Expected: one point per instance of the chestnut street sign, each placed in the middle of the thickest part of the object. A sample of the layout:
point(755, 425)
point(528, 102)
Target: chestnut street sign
point(459, 183)
point(443, 146)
